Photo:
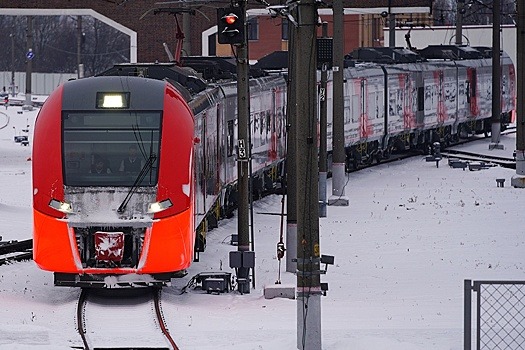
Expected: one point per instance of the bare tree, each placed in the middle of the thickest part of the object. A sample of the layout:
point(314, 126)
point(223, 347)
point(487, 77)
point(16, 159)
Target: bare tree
point(474, 12)
point(55, 44)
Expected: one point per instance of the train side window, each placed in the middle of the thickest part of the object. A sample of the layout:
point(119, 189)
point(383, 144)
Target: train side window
point(420, 98)
point(467, 90)
point(230, 140)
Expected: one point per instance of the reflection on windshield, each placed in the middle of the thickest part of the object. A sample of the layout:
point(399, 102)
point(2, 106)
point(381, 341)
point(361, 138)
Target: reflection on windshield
point(110, 148)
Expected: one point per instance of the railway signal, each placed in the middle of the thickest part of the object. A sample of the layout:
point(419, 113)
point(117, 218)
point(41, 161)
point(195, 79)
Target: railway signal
point(231, 22)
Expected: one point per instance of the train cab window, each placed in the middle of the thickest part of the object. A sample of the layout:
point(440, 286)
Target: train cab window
point(110, 148)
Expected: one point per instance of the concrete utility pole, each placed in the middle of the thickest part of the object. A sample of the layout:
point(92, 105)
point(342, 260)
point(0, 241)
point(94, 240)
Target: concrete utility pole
point(459, 22)
point(338, 130)
point(308, 251)
point(243, 156)
point(496, 77)
point(28, 104)
point(323, 166)
point(518, 180)
point(391, 26)
point(291, 171)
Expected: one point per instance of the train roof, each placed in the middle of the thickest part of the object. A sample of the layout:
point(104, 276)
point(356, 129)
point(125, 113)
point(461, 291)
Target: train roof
point(451, 52)
point(384, 55)
point(276, 60)
point(214, 68)
point(181, 78)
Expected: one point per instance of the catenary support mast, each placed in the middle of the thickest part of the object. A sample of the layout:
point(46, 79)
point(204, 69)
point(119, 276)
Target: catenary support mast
point(338, 140)
point(496, 77)
point(308, 278)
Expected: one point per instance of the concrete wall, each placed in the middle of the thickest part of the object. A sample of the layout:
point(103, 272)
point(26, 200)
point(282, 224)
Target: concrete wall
point(42, 83)
point(476, 35)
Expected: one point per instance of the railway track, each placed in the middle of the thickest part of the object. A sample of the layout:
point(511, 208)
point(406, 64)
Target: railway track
point(480, 158)
point(16, 251)
point(471, 157)
point(127, 319)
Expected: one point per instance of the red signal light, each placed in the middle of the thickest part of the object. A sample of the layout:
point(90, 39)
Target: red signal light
point(230, 25)
point(230, 18)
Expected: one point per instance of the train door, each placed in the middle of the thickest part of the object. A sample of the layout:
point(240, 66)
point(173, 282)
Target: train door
point(200, 164)
point(407, 100)
point(272, 149)
point(420, 86)
point(211, 153)
point(508, 92)
point(221, 154)
point(439, 78)
point(364, 128)
point(472, 92)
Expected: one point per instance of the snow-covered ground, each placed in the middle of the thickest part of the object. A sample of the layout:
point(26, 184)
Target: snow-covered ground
point(410, 236)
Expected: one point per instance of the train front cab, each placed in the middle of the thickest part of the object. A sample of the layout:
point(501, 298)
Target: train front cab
point(116, 228)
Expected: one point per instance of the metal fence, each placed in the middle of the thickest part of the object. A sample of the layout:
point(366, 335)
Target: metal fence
point(500, 315)
point(41, 83)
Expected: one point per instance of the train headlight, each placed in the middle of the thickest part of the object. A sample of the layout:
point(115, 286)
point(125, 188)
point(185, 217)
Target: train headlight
point(61, 206)
point(159, 206)
point(112, 100)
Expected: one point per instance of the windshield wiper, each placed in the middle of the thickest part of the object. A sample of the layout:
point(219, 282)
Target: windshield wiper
point(145, 169)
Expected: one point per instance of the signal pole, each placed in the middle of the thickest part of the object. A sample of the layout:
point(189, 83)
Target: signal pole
point(308, 251)
point(338, 197)
point(518, 180)
point(243, 113)
point(231, 29)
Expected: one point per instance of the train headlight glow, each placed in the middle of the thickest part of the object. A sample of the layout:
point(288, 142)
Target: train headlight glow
point(112, 100)
point(61, 206)
point(159, 206)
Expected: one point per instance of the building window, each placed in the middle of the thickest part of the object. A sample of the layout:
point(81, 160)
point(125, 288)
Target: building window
point(284, 29)
point(253, 28)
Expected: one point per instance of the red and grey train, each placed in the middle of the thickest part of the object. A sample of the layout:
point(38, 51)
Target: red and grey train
point(97, 223)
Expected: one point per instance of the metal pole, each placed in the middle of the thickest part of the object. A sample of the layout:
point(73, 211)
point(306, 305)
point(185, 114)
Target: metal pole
point(291, 188)
point(496, 77)
point(242, 165)
point(459, 22)
point(12, 64)
point(28, 104)
point(308, 251)
point(467, 315)
point(80, 69)
point(518, 180)
point(477, 289)
point(338, 135)
point(186, 28)
point(323, 171)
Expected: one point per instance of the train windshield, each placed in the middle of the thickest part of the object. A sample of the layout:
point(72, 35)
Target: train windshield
point(111, 148)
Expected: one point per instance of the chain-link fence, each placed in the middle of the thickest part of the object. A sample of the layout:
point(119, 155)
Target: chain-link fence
point(500, 315)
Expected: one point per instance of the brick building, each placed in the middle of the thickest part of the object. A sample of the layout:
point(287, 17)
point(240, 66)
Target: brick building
point(268, 34)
